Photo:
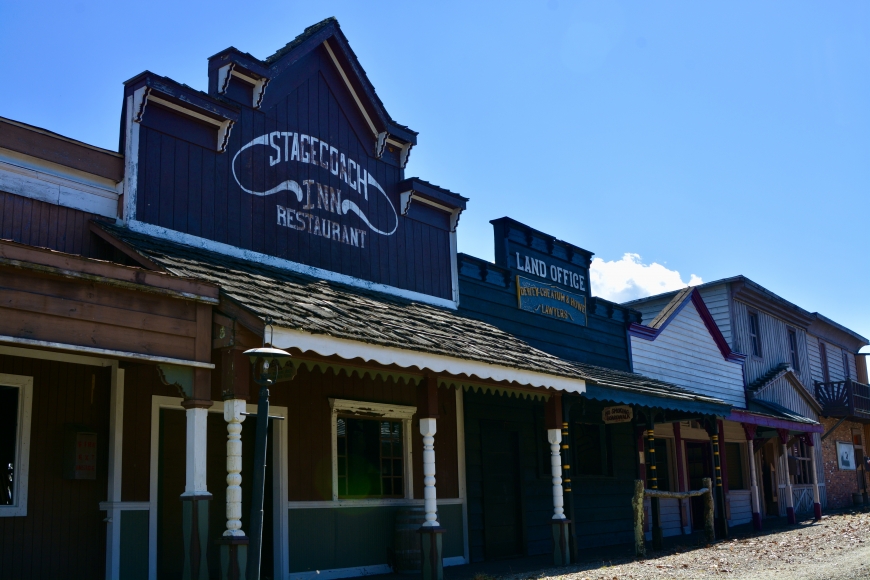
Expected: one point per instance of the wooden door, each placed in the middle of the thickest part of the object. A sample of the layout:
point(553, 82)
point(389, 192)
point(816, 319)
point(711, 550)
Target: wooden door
point(698, 467)
point(502, 492)
point(171, 476)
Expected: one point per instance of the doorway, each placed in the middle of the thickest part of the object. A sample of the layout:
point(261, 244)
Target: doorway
point(502, 491)
point(698, 466)
point(168, 443)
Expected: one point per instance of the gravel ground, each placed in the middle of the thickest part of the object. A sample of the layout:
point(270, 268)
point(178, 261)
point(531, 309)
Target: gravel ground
point(838, 548)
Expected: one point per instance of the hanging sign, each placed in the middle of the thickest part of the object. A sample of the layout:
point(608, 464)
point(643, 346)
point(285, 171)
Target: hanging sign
point(547, 300)
point(618, 414)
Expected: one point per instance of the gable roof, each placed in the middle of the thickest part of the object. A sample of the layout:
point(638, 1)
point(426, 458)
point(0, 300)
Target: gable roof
point(782, 370)
point(672, 310)
point(327, 32)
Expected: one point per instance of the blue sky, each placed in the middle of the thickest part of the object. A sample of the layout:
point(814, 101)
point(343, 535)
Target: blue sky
point(709, 139)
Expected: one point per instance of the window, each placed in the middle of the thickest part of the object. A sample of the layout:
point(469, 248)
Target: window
point(793, 350)
point(591, 450)
point(847, 372)
point(16, 394)
point(370, 458)
point(734, 466)
point(663, 471)
point(823, 356)
point(799, 463)
point(754, 336)
point(371, 445)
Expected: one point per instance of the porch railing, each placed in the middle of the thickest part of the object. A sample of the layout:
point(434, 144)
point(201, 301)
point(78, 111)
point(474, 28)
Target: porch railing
point(637, 506)
point(847, 398)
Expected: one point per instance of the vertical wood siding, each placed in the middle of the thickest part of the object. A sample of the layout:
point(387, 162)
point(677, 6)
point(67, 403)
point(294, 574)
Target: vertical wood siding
point(686, 355)
point(774, 344)
point(63, 533)
point(718, 302)
point(45, 225)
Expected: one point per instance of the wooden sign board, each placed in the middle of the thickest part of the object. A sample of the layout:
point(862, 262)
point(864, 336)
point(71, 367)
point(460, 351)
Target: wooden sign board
point(618, 414)
point(80, 461)
point(548, 300)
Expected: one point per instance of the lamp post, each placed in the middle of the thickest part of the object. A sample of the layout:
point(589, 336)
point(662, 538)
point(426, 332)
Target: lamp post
point(266, 362)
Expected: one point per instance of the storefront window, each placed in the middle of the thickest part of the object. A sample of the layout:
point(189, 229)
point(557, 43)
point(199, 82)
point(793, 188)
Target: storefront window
point(592, 450)
point(370, 458)
point(734, 466)
point(15, 407)
point(8, 443)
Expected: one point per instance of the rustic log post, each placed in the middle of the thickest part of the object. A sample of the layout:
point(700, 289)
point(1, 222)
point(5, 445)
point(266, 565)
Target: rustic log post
point(431, 532)
point(722, 520)
point(789, 497)
point(750, 431)
point(817, 501)
point(709, 527)
point(655, 506)
point(560, 524)
point(637, 508)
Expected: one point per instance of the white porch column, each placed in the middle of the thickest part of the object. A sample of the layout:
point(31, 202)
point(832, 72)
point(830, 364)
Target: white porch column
point(753, 482)
point(554, 436)
point(789, 495)
point(116, 443)
point(430, 506)
point(194, 482)
point(233, 409)
point(817, 500)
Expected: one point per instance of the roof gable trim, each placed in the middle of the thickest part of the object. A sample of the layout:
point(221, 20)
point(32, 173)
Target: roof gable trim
point(679, 302)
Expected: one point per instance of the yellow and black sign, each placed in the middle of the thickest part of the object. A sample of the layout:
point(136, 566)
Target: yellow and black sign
point(550, 301)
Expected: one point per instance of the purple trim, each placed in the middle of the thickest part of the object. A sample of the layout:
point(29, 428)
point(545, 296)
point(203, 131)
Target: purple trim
point(791, 518)
point(817, 511)
point(648, 333)
point(756, 521)
point(747, 417)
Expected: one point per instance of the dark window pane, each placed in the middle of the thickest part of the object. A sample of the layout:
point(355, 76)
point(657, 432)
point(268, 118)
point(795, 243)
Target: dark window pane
point(734, 465)
point(373, 457)
point(588, 450)
point(663, 471)
point(8, 443)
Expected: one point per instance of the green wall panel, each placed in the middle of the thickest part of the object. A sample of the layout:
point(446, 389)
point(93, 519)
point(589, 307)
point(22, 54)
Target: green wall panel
point(328, 538)
point(134, 545)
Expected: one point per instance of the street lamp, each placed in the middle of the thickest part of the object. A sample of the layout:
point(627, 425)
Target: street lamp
point(266, 362)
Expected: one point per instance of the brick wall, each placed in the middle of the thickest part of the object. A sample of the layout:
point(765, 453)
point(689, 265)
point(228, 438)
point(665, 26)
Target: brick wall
point(841, 484)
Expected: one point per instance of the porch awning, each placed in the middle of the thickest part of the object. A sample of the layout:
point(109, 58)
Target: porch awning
point(774, 416)
point(334, 319)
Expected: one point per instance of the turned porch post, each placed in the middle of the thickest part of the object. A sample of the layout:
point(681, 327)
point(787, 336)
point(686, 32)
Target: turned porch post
point(789, 497)
point(560, 524)
point(196, 497)
point(235, 387)
point(719, 491)
point(817, 500)
point(750, 430)
point(431, 542)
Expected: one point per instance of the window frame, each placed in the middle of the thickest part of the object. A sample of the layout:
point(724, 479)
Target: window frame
point(755, 335)
point(823, 361)
point(793, 348)
point(367, 410)
point(847, 371)
point(24, 384)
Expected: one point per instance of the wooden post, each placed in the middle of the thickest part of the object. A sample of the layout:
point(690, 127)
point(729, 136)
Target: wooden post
point(722, 521)
point(567, 461)
point(709, 527)
point(682, 485)
point(789, 497)
point(195, 499)
point(560, 524)
point(653, 484)
point(750, 430)
point(431, 532)
point(817, 501)
point(637, 508)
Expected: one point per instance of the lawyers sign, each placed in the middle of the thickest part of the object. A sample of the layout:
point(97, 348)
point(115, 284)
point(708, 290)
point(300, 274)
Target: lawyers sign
point(547, 300)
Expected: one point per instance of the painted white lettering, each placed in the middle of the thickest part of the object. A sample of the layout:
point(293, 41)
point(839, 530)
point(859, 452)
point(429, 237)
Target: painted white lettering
point(324, 157)
point(362, 238)
point(282, 216)
point(333, 160)
point(306, 140)
point(294, 154)
point(316, 231)
point(342, 169)
point(314, 143)
point(277, 158)
point(307, 183)
point(519, 265)
point(300, 217)
point(582, 285)
point(354, 237)
point(362, 183)
point(344, 238)
point(336, 231)
point(553, 273)
point(530, 266)
point(286, 135)
point(335, 200)
point(322, 196)
point(351, 165)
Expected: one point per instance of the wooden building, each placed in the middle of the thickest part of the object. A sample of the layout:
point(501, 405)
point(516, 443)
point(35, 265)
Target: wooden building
point(783, 378)
point(538, 290)
point(273, 207)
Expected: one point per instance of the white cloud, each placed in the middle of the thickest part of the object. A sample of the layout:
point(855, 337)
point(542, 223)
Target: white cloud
point(629, 278)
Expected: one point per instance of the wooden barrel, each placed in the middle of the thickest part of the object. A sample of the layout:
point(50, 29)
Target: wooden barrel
point(406, 540)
